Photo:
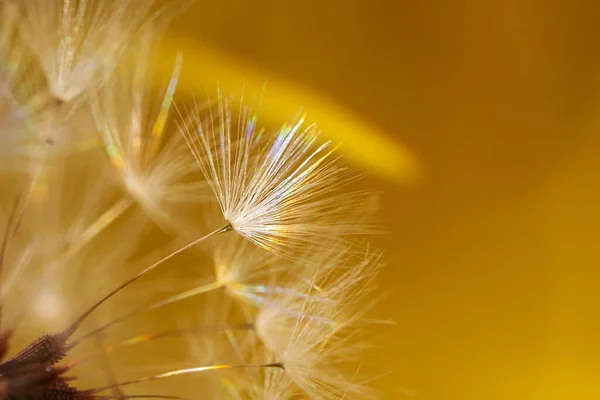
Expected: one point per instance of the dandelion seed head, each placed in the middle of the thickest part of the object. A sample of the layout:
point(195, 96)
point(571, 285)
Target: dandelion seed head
point(282, 191)
point(312, 349)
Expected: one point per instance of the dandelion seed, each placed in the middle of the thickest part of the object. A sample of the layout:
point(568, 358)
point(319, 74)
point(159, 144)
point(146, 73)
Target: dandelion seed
point(314, 340)
point(154, 167)
point(77, 43)
point(281, 192)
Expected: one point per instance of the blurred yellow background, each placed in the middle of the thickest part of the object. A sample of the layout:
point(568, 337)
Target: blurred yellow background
point(493, 262)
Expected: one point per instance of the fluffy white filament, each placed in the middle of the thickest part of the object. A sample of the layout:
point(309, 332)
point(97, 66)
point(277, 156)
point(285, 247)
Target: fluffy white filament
point(280, 190)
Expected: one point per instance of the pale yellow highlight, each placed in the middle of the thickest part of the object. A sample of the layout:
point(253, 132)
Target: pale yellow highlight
point(368, 147)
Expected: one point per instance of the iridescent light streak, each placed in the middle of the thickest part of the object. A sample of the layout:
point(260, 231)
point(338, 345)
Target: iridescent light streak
point(184, 371)
point(250, 126)
point(161, 120)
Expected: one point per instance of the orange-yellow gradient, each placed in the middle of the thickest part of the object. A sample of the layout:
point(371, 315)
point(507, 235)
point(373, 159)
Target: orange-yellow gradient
point(494, 257)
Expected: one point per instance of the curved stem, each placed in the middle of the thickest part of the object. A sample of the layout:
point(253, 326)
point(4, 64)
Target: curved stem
point(73, 327)
point(169, 300)
point(185, 371)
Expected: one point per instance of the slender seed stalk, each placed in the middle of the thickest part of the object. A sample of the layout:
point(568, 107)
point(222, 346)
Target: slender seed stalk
point(184, 371)
point(75, 325)
point(169, 300)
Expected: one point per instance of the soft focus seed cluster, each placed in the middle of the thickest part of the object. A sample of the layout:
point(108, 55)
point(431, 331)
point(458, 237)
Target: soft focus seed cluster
point(108, 174)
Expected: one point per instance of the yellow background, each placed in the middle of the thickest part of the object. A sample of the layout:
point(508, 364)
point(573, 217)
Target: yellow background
point(493, 258)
